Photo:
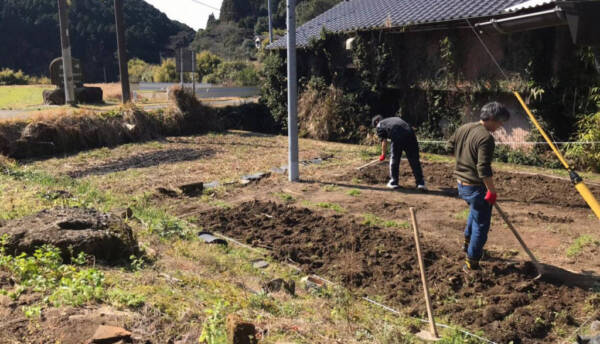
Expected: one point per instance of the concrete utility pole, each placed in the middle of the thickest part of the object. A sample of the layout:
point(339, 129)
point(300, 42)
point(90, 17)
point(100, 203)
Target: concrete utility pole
point(65, 43)
point(270, 22)
point(194, 74)
point(181, 64)
point(123, 71)
point(292, 92)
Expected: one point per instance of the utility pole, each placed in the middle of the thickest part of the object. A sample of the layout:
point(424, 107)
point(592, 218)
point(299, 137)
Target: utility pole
point(65, 43)
point(292, 92)
point(270, 22)
point(194, 74)
point(123, 72)
point(181, 65)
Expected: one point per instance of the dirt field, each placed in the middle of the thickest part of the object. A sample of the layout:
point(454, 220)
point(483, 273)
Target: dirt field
point(504, 301)
point(345, 225)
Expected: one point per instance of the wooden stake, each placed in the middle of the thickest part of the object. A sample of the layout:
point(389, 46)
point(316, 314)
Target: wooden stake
point(432, 326)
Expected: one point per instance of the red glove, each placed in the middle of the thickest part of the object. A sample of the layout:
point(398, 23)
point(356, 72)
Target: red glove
point(491, 197)
point(382, 157)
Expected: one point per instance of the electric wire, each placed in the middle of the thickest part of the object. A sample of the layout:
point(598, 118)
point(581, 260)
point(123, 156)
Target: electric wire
point(207, 5)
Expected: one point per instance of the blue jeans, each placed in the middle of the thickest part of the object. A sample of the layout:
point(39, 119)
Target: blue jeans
point(480, 215)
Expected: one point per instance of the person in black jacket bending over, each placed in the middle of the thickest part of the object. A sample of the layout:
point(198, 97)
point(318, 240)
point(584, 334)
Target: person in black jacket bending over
point(403, 139)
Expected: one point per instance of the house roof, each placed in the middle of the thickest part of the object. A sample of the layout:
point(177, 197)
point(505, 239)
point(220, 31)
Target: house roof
point(360, 15)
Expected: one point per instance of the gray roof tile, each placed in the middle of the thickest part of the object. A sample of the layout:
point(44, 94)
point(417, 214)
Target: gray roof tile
point(356, 15)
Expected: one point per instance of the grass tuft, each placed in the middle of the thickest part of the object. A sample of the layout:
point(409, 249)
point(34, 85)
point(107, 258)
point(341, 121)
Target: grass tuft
point(375, 221)
point(354, 192)
point(580, 244)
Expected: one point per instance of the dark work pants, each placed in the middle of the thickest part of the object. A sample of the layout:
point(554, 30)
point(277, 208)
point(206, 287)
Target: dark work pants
point(410, 146)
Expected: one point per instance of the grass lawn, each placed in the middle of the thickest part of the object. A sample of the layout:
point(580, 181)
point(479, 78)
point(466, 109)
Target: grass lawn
point(19, 97)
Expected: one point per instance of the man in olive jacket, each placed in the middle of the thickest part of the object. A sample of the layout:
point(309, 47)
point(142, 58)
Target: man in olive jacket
point(473, 146)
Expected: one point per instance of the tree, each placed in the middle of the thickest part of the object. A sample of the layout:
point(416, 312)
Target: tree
point(166, 72)
point(207, 63)
point(212, 21)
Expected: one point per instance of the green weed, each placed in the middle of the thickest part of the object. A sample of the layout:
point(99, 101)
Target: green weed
point(136, 264)
point(264, 302)
point(45, 272)
point(221, 204)
point(159, 222)
point(330, 188)
point(580, 244)
point(375, 221)
point(354, 192)
point(213, 328)
point(355, 180)
point(34, 311)
point(122, 298)
point(285, 197)
point(333, 206)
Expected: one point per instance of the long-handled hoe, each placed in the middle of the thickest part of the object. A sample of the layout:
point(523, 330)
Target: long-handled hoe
point(539, 267)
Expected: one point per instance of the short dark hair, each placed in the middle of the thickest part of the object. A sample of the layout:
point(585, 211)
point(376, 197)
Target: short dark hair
point(376, 120)
point(494, 111)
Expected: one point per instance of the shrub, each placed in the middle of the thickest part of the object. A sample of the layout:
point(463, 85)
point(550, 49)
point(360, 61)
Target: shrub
point(233, 74)
point(273, 90)
point(587, 156)
point(10, 77)
point(140, 71)
point(166, 72)
point(327, 113)
point(250, 117)
point(207, 63)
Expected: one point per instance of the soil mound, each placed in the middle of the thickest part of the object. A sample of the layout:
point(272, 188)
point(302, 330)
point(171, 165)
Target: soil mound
point(104, 236)
point(511, 186)
point(503, 301)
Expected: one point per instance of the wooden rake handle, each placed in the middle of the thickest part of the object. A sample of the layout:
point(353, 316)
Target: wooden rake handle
point(369, 164)
point(415, 225)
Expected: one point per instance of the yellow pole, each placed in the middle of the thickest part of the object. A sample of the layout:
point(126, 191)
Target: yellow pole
point(575, 178)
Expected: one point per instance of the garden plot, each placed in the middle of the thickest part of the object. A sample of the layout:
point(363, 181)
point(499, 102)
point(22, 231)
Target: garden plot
point(503, 301)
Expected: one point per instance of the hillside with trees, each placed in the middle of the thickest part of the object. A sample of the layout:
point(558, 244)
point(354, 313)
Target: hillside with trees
point(232, 35)
point(29, 35)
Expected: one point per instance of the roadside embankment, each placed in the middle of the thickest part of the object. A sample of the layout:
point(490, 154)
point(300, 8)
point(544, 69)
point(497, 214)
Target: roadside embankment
point(68, 132)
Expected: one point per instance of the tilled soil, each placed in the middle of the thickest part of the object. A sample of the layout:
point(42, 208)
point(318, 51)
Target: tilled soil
point(143, 160)
point(511, 186)
point(503, 300)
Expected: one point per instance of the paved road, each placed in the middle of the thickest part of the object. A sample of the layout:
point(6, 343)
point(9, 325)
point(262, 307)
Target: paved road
point(202, 90)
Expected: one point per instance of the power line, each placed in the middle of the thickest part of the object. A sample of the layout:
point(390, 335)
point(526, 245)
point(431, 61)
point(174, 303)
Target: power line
point(207, 5)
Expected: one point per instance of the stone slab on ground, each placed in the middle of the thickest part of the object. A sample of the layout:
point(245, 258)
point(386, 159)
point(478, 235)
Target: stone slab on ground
point(83, 95)
point(260, 264)
point(211, 239)
point(110, 334)
point(192, 189)
point(104, 236)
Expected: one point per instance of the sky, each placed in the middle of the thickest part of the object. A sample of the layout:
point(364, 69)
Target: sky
point(194, 13)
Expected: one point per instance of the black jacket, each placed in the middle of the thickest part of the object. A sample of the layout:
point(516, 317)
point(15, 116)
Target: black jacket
point(395, 129)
